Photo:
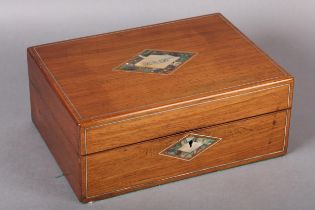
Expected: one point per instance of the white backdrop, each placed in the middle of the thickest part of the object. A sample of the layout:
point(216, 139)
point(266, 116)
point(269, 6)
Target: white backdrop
point(285, 29)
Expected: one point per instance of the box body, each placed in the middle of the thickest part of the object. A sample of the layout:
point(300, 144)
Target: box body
point(137, 108)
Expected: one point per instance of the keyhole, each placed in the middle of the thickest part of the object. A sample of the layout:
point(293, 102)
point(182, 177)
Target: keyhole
point(190, 143)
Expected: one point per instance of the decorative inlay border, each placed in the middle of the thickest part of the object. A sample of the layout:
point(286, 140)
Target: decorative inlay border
point(191, 172)
point(67, 98)
point(204, 169)
point(182, 107)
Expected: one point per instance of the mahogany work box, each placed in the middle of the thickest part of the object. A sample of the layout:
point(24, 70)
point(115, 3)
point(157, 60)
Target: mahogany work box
point(141, 107)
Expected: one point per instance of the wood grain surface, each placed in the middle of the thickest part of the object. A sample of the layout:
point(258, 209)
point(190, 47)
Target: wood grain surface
point(106, 127)
point(199, 114)
point(82, 69)
point(130, 167)
point(56, 127)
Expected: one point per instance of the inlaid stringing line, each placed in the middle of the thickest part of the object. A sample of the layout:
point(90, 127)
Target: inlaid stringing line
point(286, 118)
point(75, 109)
point(253, 44)
point(128, 30)
point(149, 26)
point(192, 172)
point(57, 83)
point(209, 101)
point(95, 116)
point(172, 22)
point(182, 107)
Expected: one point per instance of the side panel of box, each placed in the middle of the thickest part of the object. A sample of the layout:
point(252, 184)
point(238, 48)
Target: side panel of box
point(145, 164)
point(55, 125)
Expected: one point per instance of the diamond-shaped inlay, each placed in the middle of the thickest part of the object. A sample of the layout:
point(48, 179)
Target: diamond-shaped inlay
point(156, 61)
point(190, 146)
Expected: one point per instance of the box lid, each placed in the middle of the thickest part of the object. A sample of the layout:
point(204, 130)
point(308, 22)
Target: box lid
point(124, 73)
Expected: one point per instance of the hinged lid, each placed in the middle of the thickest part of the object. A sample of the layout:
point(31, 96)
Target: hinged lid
point(108, 78)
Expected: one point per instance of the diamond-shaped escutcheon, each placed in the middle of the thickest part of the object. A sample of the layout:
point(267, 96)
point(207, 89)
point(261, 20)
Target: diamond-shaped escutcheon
point(190, 146)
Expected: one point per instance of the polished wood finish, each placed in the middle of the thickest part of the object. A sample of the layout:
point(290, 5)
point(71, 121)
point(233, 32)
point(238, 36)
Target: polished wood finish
point(95, 120)
point(141, 165)
point(82, 69)
point(56, 127)
point(201, 113)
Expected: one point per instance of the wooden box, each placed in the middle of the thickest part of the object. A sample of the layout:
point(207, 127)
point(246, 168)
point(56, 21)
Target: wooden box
point(136, 108)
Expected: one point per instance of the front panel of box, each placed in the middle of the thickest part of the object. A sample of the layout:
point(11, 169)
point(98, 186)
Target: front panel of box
point(203, 113)
point(183, 155)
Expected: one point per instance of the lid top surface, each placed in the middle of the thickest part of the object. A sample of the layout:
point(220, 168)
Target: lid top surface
point(92, 73)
